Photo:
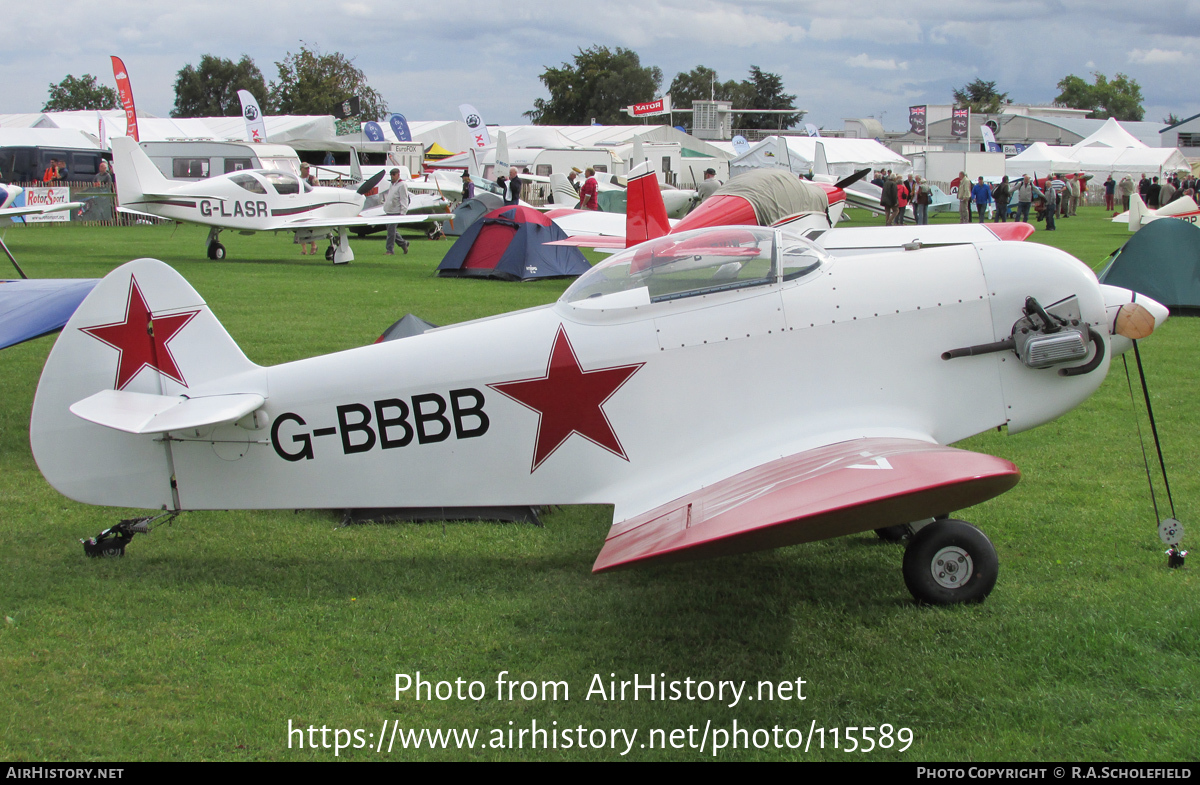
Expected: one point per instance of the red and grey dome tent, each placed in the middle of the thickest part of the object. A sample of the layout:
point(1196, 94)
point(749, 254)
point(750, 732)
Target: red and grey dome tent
point(510, 243)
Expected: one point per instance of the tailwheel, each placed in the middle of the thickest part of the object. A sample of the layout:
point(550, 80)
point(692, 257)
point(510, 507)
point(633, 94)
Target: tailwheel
point(950, 562)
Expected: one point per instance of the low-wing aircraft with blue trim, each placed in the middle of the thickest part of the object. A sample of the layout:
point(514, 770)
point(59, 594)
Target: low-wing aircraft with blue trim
point(251, 200)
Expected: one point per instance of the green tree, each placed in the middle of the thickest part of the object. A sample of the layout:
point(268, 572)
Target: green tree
point(761, 91)
point(764, 90)
point(981, 97)
point(1171, 119)
point(210, 89)
point(702, 84)
point(1121, 98)
point(314, 83)
point(599, 85)
point(82, 93)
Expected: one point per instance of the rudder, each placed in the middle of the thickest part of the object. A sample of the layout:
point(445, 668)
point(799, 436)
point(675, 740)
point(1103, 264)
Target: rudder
point(142, 330)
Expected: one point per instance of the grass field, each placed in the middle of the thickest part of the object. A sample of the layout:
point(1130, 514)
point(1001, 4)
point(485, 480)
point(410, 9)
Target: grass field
point(215, 633)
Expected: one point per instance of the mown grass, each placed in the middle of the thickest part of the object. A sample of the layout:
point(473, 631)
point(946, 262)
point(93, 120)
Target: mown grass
point(215, 632)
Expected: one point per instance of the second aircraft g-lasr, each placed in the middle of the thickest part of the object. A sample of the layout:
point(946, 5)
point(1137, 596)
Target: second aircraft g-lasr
point(249, 201)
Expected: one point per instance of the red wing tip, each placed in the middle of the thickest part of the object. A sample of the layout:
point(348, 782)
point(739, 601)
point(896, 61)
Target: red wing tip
point(1012, 232)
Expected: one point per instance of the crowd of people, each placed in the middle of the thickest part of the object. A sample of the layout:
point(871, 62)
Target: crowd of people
point(898, 192)
point(1054, 197)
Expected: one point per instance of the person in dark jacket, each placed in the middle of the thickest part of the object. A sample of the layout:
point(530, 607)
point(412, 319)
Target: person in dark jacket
point(1002, 193)
point(888, 200)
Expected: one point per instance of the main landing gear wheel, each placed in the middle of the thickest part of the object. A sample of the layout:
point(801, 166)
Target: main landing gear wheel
point(329, 253)
point(950, 562)
point(216, 251)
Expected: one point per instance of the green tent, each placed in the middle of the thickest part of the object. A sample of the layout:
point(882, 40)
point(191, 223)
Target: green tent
point(1161, 261)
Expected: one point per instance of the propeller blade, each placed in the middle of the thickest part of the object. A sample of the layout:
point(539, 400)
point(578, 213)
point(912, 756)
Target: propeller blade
point(366, 187)
point(854, 178)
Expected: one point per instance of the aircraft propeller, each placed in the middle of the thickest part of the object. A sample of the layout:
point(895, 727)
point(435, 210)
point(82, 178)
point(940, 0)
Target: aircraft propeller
point(366, 187)
point(854, 178)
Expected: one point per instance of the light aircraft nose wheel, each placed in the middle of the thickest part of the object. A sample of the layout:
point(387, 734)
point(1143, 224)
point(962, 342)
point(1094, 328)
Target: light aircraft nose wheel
point(216, 251)
point(435, 232)
point(950, 562)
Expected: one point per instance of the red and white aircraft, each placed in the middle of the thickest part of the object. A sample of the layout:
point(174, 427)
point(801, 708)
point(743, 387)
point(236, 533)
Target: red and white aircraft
point(249, 201)
point(760, 197)
point(1184, 208)
point(726, 389)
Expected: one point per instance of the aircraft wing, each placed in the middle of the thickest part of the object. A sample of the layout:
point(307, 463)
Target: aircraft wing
point(37, 306)
point(13, 212)
point(837, 489)
point(373, 220)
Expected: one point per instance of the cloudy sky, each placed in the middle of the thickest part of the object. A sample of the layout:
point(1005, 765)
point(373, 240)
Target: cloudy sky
point(840, 59)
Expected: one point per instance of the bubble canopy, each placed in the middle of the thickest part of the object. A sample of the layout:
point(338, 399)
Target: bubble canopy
point(700, 262)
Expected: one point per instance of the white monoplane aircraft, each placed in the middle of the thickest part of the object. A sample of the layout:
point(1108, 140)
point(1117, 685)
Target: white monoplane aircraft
point(1184, 208)
point(249, 201)
point(727, 389)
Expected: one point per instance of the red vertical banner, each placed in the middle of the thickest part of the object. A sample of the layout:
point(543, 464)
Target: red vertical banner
point(126, 93)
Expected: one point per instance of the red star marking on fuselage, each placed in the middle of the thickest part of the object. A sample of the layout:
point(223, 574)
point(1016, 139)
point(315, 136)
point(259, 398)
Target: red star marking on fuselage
point(569, 400)
point(141, 340)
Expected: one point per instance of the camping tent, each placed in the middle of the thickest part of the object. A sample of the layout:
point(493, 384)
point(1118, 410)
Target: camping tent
point(1162, 261)
point(470, 211)
point(510, 243)
point(406, 326)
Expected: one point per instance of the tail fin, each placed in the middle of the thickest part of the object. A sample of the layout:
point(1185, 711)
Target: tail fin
point(821, 163)
point(1137, 211)
point(136, 173)
point(143, 344)
point(564, 194)
point(645, 213)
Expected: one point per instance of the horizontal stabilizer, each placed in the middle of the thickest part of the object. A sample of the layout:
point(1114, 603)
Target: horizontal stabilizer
point(134, 412)
point(591, 241)
point(829, 491)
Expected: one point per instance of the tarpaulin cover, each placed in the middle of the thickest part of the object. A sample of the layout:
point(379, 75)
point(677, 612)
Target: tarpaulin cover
point(776, 194)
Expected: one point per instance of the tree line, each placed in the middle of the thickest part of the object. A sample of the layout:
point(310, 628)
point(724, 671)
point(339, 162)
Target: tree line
point(600, 83)
point(595, 87)
point(1121, 98)
point(309, 82)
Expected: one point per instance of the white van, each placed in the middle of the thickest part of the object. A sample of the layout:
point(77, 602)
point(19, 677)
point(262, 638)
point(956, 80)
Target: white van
point(191, 159)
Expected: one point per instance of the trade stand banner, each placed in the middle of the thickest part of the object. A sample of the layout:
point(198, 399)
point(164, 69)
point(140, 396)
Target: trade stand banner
point(125, 90)
point(256, 127)
point(36, 197)
point(661, 106)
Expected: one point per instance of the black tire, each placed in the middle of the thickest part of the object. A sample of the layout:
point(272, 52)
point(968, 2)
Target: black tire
point(898, 533)
point(329, 254)
point(216, 252)
point(950, 562)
